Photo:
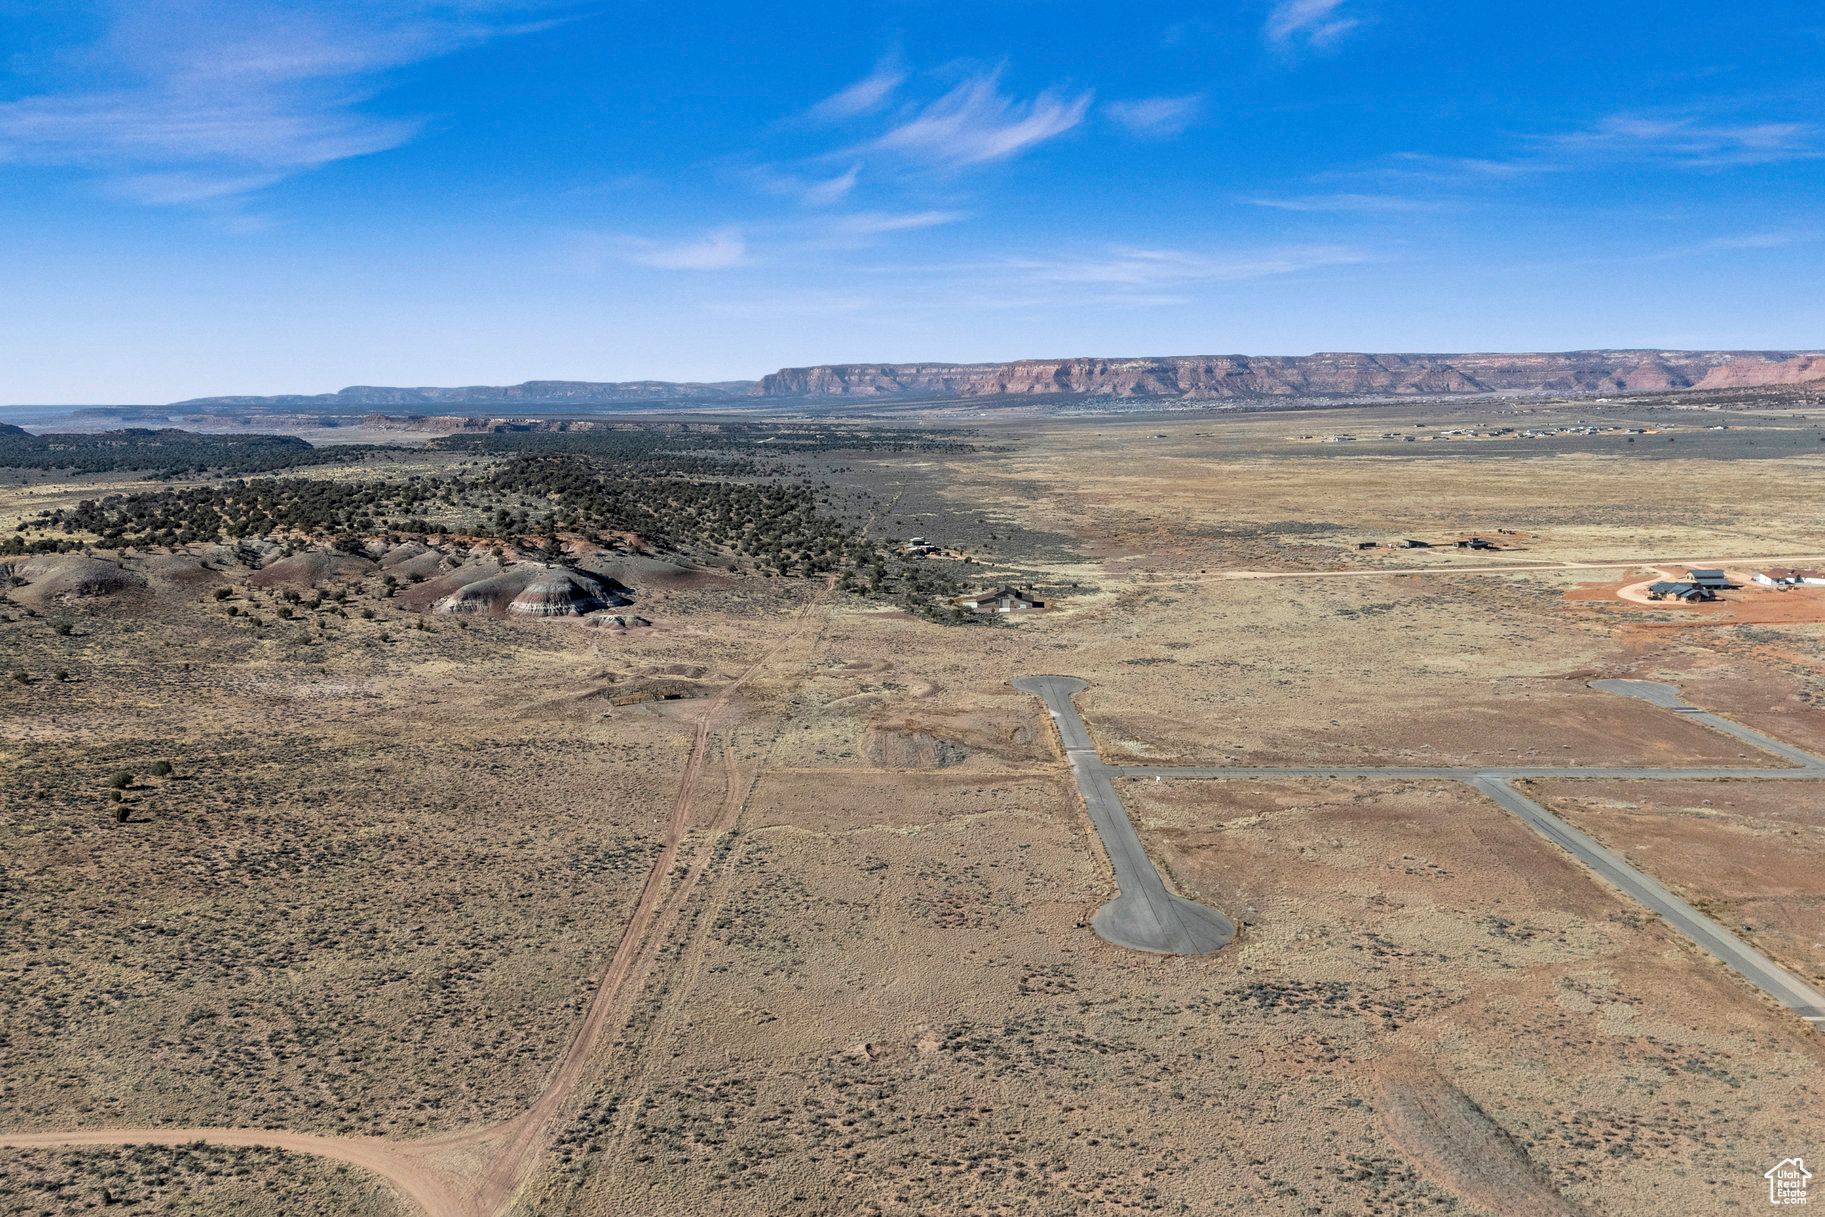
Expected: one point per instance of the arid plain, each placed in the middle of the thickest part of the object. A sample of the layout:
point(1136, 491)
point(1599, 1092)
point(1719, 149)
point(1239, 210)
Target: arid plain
point(446, 918)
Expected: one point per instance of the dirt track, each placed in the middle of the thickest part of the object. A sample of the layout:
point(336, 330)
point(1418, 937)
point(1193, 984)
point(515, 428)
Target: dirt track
point(391, 1160)
point(475, 1173)
point(1518, 567)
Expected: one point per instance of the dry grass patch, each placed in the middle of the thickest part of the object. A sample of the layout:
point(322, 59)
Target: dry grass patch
point(197, 1180)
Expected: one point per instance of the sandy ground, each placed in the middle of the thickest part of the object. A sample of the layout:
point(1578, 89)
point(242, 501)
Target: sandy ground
point(836, 907)
point(1747, 857)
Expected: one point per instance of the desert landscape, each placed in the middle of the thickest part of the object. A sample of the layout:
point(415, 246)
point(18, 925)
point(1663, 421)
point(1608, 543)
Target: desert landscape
point(855, 610)
point(564, 822)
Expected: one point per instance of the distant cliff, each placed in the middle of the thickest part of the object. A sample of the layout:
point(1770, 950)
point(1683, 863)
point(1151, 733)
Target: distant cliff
point(532, 392)
point(1231, 377)
point(1212, 378)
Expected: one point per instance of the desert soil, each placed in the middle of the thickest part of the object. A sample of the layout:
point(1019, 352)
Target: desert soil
point(387, 880)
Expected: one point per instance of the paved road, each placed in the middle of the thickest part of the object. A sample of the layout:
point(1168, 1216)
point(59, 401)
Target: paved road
point(1667, 698)
point(1461, 773)
point(1504, 568)
point(1737, 955)
point(1148, 917)
point(1145, 916)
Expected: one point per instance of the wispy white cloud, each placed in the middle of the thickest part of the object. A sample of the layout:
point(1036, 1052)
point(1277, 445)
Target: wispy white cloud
point(210, 99)
point(1419, 178)
point(181, 186)
point(1741, 242)
point(1316, 23)
point(776, 302)
point(1155, 116)
point(1759, 240)
point(826, 191)
point(1421, 181)
point(1694, 142)
point(229, 139)
point(974, 123)
point(1154, 268)
point(720, 249)
point(865, 96)
point(787, 243)
point(1345, 202)
point(810, 184)
point(911, 163)
point(1113, 276)
point(1458, 169)
point(902, 178)
point(875, 223)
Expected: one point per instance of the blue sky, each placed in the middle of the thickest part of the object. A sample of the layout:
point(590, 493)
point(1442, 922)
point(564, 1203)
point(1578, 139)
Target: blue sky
point(200, 196)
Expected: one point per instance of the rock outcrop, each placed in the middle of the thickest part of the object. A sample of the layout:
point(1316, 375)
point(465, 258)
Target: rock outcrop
point(530, 590)
point(619, 622)
point(1745, 374)
point(1180, 377)
point(562, 593)
point(1244, 377)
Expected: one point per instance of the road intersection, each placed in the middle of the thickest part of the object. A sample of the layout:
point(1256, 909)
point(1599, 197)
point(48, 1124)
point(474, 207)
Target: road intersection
point(1148, 916)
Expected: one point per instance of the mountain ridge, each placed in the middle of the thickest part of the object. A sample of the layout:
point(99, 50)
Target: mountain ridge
point(1342, 374)
point(580, 392)
point(1212, 378)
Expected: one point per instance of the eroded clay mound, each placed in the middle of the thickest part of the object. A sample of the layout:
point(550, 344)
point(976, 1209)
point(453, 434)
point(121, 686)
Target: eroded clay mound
point(619, 622)
point(643, 571)
point(670, 682)
point(479, 596)
point(423, 566)
point(393, 556)
point(307, 570)
point(563, 593)
point(181, 573)
point(62, 578)
point(414, 560)
point(250, 552)
point(421, 596)
point(531, 590)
